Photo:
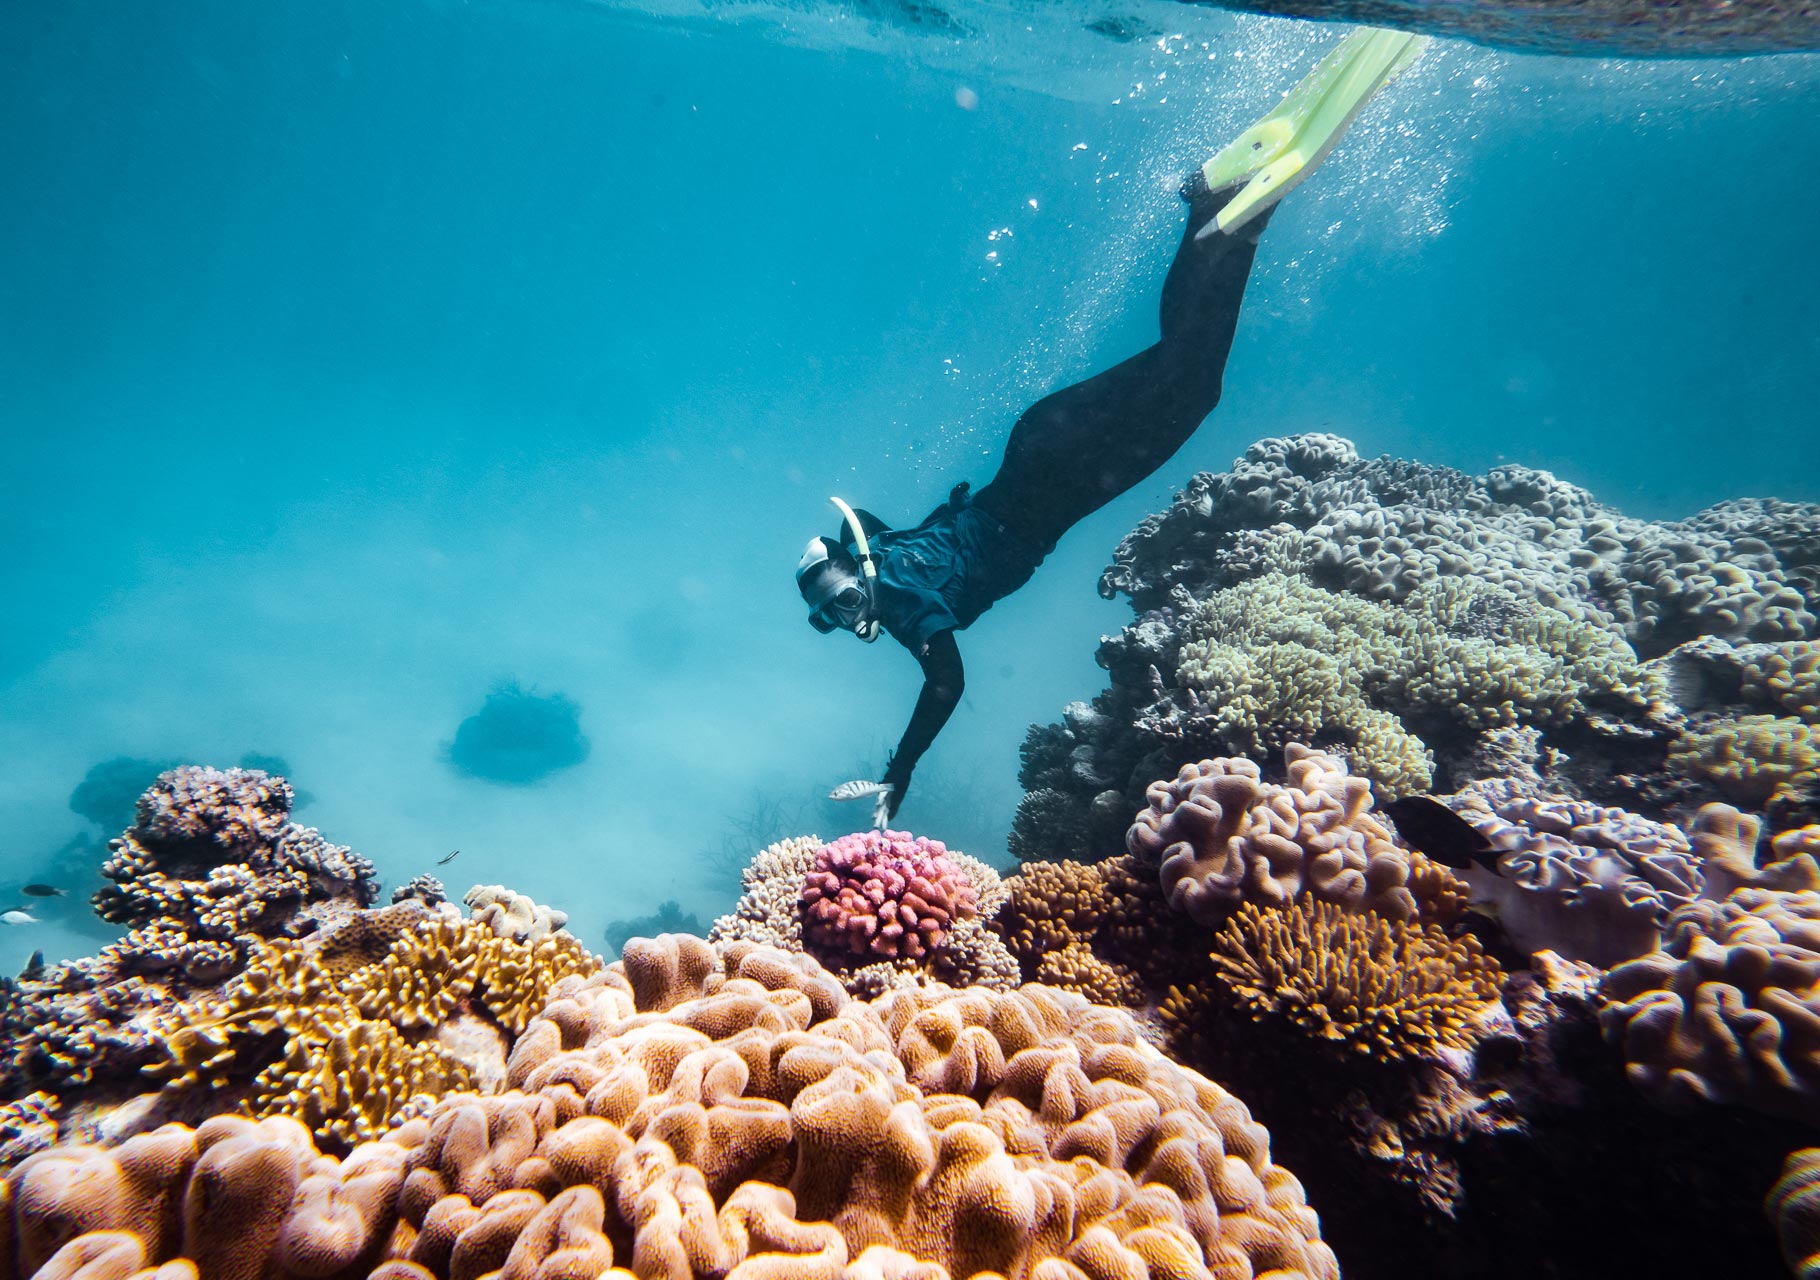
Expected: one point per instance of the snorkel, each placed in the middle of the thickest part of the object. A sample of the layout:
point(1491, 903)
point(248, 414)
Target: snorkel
point(868, 563)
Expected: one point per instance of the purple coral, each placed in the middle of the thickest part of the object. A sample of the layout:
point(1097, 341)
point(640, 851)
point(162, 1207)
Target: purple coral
point(883, 895)
point(1588, 881)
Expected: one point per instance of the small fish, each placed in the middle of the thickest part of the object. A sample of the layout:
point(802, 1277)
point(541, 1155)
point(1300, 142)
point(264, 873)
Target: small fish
point(1430, 826)
point(43, 891)
point(859, 789)
point(443, 862)
point(18, 916)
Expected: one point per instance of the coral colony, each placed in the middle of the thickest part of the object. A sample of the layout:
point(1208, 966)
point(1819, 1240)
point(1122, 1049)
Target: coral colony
point(1226, 1019)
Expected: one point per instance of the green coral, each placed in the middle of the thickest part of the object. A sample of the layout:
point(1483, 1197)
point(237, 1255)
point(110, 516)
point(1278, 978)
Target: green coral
point(1277, 659)
point(1753, 758)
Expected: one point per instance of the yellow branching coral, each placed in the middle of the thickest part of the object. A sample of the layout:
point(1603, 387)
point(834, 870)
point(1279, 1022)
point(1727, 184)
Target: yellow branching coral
point(1384, 988)
point(358, 1052)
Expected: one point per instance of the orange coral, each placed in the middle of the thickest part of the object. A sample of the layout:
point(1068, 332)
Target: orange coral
point(694, 1113)
point(1384, 988)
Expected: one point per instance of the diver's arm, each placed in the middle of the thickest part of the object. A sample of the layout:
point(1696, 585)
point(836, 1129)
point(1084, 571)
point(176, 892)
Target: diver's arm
point(943, 680)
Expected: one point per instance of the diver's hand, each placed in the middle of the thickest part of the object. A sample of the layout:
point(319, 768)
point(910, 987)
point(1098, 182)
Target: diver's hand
point(897, 778)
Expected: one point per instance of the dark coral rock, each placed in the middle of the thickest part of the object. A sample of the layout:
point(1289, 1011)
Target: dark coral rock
point(518, 737)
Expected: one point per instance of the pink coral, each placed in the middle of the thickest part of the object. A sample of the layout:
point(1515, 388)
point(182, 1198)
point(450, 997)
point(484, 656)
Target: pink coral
point(883, 894)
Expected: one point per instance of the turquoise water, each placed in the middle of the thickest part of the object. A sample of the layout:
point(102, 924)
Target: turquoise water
point(358, 358)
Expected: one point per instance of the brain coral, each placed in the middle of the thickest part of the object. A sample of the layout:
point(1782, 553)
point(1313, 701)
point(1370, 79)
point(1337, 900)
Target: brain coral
point(1382, 528)
point(771, 912)
point(1277, 658)
point(1219, 836)
point(1384, 988)
point(693, 1113)
point(883, 894)
point(1587, 881)
point(1729, 1010)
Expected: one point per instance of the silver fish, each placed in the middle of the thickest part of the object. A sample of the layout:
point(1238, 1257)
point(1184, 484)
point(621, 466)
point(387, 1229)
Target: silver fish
point(859, 789)
point(17, 917)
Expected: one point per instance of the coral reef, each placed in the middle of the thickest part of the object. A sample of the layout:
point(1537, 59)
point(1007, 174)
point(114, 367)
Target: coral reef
point(694, 1113)
point(519, 737)
point(1219, 837)
point(883, 895)
point(1729, 1009)
point(1365, 984)
point(369, 1027)
point(1276, 659)
point(1383, 527)
point(212, 860)
point(211, 867)
point(771, 912)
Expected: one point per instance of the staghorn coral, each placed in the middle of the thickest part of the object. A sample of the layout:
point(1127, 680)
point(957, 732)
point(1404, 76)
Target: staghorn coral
point(693, 1113)
point(770, 913)
point(1382, 988)
point(214, 860)
point(1793, 1206)
point(1276, 659)
point(1752, 759)
point(362, 1040)
point(1591, 882)
point(1219, 836)
point(883, 895)
point(1729, 1010)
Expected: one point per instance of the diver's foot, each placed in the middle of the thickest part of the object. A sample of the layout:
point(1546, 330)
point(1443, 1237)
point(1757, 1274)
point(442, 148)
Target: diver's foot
point(1268, 160)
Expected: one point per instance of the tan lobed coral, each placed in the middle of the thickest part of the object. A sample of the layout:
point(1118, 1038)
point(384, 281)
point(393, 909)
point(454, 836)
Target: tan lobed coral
point(1793, 1206)
point(1219, 837)
point(1277, 659)
point(1725, 841)
point(511, 914)
point(1729, 1010)
point(360, 1047)
point(694, 1113)
point(1752, 759)
point(1787, 677)
point(1387, 989)
point(769, 913)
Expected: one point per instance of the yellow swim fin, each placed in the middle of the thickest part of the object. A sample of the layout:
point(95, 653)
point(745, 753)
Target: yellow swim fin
point(1283, 148)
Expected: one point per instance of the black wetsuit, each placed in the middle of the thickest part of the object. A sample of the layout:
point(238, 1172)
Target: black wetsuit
point(1069, 455)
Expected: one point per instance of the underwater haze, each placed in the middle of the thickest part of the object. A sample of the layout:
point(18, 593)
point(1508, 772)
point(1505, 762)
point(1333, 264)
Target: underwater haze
point(435, 397)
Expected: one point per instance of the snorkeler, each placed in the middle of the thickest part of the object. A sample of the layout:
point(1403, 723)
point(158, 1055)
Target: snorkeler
point(1076, 450)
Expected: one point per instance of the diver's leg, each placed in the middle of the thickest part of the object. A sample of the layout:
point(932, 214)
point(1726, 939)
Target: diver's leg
point(1076, 450)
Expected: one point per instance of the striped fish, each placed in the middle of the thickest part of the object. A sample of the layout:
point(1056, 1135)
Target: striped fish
point(859, 789)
